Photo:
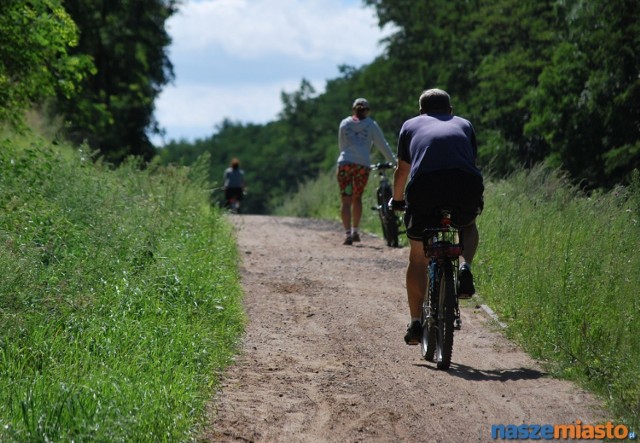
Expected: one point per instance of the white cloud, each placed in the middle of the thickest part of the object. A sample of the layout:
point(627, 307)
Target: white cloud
point(195, 109)
point(233, 58)
point(307, 29)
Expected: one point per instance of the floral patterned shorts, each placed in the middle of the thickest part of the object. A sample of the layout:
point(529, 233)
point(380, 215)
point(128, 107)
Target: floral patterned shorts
point(352, 179)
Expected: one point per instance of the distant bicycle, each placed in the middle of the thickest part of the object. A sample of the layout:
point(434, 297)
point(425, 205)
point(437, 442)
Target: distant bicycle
point(440, 310)
point(232, 205)
point(230, 202)
point(388, 219)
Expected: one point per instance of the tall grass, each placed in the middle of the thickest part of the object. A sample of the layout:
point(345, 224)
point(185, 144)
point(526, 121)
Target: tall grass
point(562, 268)
point(119, 298)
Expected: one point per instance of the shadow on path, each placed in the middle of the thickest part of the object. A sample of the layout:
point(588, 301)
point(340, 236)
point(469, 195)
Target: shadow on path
point(502, 375)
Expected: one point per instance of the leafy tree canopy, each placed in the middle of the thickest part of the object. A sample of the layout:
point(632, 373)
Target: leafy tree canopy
point(128, 42)
point(555, 81)
point(36, 41)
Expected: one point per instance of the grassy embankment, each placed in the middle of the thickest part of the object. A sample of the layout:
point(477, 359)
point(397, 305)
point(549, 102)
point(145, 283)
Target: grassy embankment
point(119, 298)
point(560, 268)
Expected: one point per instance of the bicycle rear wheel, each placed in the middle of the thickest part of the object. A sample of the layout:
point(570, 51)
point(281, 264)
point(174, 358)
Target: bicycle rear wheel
point(446, 316)
point(429, 315)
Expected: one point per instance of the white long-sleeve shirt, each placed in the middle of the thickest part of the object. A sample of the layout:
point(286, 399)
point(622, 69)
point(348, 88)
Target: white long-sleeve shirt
point(357, 137)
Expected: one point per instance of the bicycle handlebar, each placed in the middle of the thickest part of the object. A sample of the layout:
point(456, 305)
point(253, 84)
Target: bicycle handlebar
point(382, 166)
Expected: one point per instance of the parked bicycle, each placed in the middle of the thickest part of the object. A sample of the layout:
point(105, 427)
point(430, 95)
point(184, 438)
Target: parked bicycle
point(440, 310)
point(388, 219)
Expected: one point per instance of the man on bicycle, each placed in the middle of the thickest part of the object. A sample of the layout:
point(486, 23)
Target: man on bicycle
point(436, 167)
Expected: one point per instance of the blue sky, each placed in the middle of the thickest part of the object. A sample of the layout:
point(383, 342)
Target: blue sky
point(233, 58)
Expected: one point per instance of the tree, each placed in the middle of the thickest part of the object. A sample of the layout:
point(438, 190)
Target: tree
point(541, 80)
point(128, 43)
point(36, 38)
point(586, 106)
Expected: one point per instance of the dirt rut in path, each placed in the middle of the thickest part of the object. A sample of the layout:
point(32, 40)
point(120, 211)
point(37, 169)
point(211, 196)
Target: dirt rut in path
point(324, 360)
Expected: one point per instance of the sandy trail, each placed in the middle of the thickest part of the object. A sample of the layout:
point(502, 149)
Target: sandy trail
point(324, 359)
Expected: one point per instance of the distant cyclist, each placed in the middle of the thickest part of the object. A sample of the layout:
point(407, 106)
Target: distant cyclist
point(437, 165)
point(233, 183)
point(357, 134)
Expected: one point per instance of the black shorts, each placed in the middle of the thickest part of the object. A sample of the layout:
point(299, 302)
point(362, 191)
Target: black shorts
point(460, 191)
point(233, 193)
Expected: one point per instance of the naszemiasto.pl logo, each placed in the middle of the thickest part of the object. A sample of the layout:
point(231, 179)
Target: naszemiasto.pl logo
point(572, 431)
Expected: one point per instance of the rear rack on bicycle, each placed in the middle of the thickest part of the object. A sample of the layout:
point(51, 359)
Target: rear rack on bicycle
point(441, 243)
point(443, 249)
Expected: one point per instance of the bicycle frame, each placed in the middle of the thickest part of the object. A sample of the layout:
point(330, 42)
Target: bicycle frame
point(440, 311)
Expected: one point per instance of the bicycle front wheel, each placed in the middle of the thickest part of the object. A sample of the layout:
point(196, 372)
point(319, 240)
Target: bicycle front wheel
point(384, 195)
point(446, 316)
point(391, 222)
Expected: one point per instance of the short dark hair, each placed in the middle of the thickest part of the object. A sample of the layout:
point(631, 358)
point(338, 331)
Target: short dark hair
point(433, 100)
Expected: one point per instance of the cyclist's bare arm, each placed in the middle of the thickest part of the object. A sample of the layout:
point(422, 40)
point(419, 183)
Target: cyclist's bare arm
point(400, 176)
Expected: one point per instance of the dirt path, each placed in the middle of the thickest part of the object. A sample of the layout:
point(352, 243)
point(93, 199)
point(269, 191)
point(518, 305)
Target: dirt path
point(324, 358)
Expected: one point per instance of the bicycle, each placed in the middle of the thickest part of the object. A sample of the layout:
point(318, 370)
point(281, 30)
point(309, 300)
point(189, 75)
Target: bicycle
point(232, 205)
point(440, 309)
point(388, 219)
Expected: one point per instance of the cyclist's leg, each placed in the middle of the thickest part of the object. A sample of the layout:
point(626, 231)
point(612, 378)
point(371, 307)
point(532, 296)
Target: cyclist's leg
point(470, 238)
point(228, 195)
point(467, 196)
point(416, 278)
point(416, 220)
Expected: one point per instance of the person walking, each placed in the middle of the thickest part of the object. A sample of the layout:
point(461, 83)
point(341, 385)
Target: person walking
point(436, 166)
point(357, 134)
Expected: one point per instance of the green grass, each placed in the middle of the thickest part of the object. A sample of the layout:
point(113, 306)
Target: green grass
point(563, 270)
point(120, 299)
point(560, 268)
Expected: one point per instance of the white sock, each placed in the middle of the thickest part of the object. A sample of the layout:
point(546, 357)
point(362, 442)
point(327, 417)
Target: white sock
point(354, 230)
point(414, 319)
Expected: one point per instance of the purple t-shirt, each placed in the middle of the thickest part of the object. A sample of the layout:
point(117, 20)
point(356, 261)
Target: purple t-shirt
point(438, 142)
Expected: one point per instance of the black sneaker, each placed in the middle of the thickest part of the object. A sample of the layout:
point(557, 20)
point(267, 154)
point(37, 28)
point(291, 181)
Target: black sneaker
point(414, 333)
point(348, 240)
point(465, 284)
point(355, 237)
